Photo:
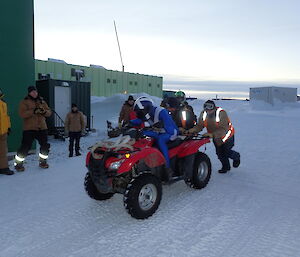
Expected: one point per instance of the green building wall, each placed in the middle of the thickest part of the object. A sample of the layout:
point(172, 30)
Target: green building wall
point(103, 82)
point(17, 59)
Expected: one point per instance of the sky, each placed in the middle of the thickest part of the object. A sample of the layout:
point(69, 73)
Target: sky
point(195, 41)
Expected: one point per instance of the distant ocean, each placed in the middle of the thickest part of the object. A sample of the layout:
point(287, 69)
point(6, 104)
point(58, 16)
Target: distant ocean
point(220, 89)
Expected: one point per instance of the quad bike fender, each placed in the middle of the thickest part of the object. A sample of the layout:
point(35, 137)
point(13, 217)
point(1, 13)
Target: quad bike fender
point(151, 156)
point(191, 147)
point(174, 151)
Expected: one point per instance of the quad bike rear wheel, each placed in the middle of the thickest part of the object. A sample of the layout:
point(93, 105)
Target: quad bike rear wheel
point(142, 196)
point(92, 190)
point(201, 171)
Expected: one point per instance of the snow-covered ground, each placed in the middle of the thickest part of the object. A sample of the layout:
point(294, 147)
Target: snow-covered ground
point(253, 210)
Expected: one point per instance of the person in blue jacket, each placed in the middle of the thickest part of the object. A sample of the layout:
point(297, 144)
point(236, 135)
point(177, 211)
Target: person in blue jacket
point(165, 129)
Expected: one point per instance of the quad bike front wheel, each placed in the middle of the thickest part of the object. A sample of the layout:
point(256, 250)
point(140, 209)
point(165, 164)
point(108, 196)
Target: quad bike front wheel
point(92, 190)
point(142, 196)
point(201, 171)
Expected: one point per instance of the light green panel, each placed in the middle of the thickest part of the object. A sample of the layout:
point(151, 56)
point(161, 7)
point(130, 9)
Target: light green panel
point(119, 82)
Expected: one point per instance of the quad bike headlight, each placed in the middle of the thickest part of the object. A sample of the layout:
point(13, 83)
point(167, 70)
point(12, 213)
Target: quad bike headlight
point(116, 165)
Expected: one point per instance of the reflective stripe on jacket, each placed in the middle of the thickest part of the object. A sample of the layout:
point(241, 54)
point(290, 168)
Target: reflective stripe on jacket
point(223, 127)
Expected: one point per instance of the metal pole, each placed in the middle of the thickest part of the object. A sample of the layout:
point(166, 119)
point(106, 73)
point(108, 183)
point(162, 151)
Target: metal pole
point(119, 46)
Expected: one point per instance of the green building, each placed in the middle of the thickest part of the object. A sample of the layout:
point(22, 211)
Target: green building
point(17, 59)
point(103, 82)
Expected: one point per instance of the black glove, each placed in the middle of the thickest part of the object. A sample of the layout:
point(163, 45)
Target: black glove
point(39, 110)
point(8, 131)
point(42, 110)
point(36, 111)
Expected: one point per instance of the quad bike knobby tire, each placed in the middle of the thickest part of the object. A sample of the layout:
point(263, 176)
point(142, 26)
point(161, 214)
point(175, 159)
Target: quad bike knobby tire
point(142, 196)
point(92, 190)
point(201, 171)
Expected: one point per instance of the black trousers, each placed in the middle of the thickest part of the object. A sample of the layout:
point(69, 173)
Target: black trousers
point(28, 136)
point(224, 153)
point(74, 136)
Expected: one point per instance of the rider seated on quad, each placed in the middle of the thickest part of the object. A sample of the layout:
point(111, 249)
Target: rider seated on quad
point(164, 128)
point(181, 112)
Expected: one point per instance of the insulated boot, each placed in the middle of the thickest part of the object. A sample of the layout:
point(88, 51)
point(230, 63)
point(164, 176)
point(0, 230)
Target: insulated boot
point(43, 164)
point(6, 171)
point(78, 153)
point(236, 163)
point(70, 154)
point(223, 170)
point(19, 166)
point(169, 174)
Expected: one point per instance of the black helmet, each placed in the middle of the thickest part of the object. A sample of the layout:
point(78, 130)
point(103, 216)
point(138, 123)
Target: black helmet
point(180, 96)
point(172, 102)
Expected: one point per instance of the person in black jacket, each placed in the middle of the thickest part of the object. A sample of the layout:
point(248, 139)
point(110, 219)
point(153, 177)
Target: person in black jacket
point(182, 113)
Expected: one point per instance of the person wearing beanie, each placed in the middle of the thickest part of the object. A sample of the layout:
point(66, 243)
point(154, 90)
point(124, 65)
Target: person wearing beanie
point(4, 132)
point(74, 129)
point(127, 108)
point(34, 111)
point(220, 129)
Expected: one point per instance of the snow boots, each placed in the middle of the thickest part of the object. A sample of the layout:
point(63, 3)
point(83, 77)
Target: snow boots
point(43, 163)
point(236, 163)
point(169, 174)
point(19, 166)
point(6, 171)
point(77, 154)
point(223, 170)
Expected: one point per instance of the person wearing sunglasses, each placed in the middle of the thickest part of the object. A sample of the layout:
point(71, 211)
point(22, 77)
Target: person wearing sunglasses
point(221, 130)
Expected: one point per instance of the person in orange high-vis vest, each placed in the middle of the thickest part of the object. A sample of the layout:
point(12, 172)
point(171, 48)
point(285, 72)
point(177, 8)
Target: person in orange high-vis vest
point(4, 131)
point(220, 129)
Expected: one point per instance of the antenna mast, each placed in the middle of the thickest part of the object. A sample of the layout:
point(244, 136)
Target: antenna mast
point(119, 46)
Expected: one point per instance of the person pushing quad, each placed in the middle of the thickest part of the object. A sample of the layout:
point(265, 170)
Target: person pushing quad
point(221, 130)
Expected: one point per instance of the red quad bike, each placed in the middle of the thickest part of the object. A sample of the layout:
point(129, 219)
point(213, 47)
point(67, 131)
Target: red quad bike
point(136, 169)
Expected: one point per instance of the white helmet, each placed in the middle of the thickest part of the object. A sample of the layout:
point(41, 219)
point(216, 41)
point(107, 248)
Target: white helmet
point(142, 107)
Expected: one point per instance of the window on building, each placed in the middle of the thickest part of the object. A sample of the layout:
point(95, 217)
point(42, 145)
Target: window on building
point(108, 80)
point(135, 83)
point(114, 81)
point(130, 82)
point(150, 85)
point(158, 85)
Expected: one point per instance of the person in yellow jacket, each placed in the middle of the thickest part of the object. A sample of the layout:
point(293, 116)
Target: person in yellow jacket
point(220, 129)
point(4, 131)
point(34, 110)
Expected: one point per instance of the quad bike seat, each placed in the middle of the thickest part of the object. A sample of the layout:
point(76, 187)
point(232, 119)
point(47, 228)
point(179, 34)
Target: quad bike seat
point(174, 143)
